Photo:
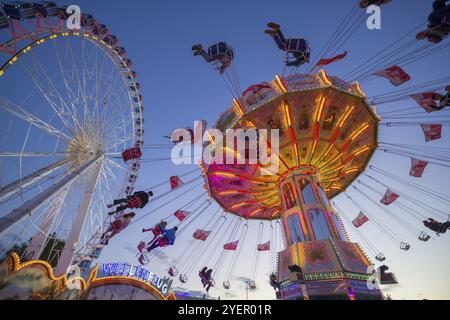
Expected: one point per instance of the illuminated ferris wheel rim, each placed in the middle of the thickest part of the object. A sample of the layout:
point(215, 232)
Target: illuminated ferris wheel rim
point(42, 35)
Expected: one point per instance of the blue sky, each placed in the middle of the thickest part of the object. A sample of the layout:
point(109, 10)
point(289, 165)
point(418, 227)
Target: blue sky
point(179, 88)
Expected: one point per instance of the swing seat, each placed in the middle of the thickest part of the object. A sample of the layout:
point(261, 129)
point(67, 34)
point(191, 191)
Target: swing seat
point(405, 246)
point(252, 285)
point(424, 236)
point(141, 246)
point(173, 272)
point(380, 257)
point(297, 46)
point(143, 259)
point(226, 285)
point(219, 51)
point(183, 278)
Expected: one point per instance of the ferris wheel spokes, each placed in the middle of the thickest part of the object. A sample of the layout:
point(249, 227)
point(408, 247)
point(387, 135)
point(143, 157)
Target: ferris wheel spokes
point(37, 243)
point(31, 205)
point(24, 182)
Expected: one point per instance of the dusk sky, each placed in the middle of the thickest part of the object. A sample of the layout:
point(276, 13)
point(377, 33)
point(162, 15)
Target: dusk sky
point(179, 88)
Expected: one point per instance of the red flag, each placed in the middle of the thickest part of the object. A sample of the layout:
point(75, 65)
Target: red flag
point(360, 220)
point(175, 182)
point(417, 167)
point(389, 197)
point(264, 246)
point(425, 100)
point(395, 75)
point(181, 215)
point(231, 246)
point(431, 131)
point(201, 234)
point(324, 62)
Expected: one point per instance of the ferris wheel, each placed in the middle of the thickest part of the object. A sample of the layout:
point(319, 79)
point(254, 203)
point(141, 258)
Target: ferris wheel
point(69, 106)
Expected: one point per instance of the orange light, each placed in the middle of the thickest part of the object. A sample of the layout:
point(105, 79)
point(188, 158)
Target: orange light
point(358, 132)
point(361, 150)
point(351, 170)
point(319, 111)
point(237, 108)
point(276, 212)
point(224, 174)
point(334, 170)
point(228, 192)
point(281, 84)
point(239, 205)
point(286, 113)
point(255, 212)
point(345, 116)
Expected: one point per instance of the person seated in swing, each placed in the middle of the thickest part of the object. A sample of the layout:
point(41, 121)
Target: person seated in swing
point(365, 3)
point(273, 281)
point(206, 278)
point(442, 100)
point(138, 200)
point(438, 22)
point(436, 226)
point(220, 52)
point(167, 238)
point(117, 226)
point(298, 47)
point(157, 230)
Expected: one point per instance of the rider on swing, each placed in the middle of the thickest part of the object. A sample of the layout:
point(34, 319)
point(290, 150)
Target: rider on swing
point(136, 201)
point(438, 227)
point(117, 226)
point(206, 277)
point(220, 52)
point(156, 230)
point(297, 46)
point(438, 23)
point(166, 238)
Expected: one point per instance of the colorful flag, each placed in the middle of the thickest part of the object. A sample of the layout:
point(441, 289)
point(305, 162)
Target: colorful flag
point(175, 182)
point(360, 220)
point(417, 167)
point(324, 62)
point(181, 215)
point(394, 74)
point(431, 131)
point(425, 100)
point(264, 246)
point(201, 234)
point(231, 246)
point(389, 197)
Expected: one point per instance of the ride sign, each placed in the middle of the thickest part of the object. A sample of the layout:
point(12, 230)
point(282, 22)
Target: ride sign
point(163, 285)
